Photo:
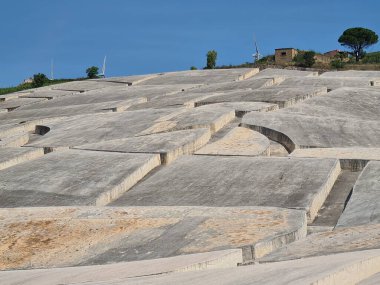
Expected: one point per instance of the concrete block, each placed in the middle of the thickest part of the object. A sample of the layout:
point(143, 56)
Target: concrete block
point(73, 177)
point(351, 158)
point(168, 145)
point(238, 181)
point(114, 272)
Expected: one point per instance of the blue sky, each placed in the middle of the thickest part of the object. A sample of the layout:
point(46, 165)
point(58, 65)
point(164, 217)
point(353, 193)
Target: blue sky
point(147, 36)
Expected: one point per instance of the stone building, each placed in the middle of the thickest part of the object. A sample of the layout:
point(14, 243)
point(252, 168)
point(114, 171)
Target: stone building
point(285, 56)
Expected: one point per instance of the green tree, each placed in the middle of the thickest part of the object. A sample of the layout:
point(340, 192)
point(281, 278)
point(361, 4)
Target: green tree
point(39, 80)
point(357, 39)
point(92, 72)
point(193, 68)
point(211, 59)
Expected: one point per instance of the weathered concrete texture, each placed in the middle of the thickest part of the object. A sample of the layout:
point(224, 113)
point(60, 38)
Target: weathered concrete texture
point(239, 141)
point(104, 127)
point(67, 111)
point(49, 237)
point(300, 131)
point(352, 73)
point(73, 177)
point(283, 97)
point(345, 268)
point(112, 94)
point(85, 85)
point(168, 145)
point(12, 104)
point(328, 243)
point(251, 83)
point(353, 103)
point(331, 83)
point(45, 93)
point(352, 158)
point(238, 181)
point(272, 72)
point(202, 76)
point(109, 272)
point(10, 156)
point(14, 140)
point(364, 204)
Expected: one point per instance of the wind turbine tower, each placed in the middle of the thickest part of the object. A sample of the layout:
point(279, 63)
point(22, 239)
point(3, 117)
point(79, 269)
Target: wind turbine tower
point(257, 55)
point(103, 74)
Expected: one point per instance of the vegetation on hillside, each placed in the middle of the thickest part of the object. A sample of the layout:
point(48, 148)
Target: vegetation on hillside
point(26, 86)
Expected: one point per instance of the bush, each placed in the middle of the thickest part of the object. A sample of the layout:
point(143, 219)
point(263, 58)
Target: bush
point(39, 80)
point(305, 58)
point(193, 68)
point(337, 63)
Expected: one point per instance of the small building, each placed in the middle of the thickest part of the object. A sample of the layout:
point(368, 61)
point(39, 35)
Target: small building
point(28, 80)
point(284, 56)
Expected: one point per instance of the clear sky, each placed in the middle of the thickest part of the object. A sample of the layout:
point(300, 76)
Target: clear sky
point(148, 36)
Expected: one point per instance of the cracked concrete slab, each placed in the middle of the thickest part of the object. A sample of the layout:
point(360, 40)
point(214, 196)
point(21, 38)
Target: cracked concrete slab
point(67, 236)
point(363, 208)
point(238, 181)
point(73, 177)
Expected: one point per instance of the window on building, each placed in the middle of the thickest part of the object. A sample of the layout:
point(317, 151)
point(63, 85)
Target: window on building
point(283, 53)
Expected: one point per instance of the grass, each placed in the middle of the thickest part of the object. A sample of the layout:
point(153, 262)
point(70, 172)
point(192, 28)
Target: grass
point(26, 86)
